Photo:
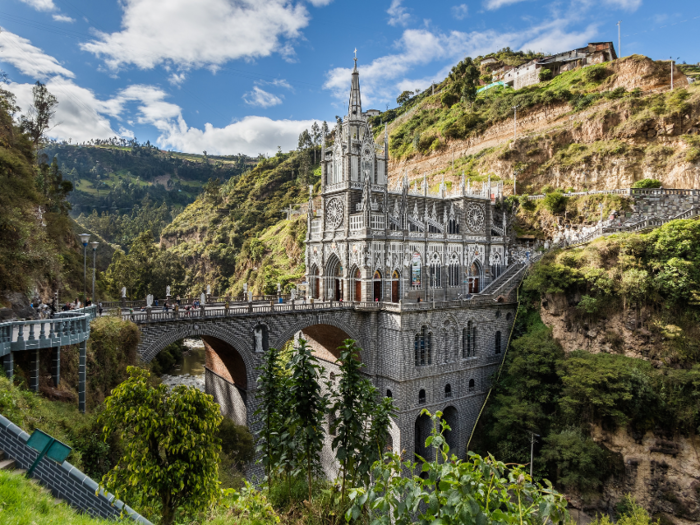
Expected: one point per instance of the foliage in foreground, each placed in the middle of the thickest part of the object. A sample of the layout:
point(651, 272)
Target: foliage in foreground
point(170, 445)
point(452, 491)
point(25, 503)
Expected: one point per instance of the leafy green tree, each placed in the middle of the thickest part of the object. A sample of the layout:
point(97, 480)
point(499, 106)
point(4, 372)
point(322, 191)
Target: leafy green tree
point(170, 445)
point(453, 491)
point(42, 110)
point(404, 97)
point(647, 183)
point(360, 424)
point(307, 408)
point(545, 74)
point(270, 393)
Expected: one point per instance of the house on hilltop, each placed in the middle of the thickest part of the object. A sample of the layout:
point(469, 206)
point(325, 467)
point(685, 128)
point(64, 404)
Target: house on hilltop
point(529, 73)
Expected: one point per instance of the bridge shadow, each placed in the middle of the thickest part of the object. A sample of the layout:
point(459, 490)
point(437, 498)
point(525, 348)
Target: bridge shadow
point(226, 379)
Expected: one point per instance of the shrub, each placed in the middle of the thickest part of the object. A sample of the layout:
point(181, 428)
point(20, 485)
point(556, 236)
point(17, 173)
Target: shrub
point(596, 73)
point(615, 93)
point(555, 202)
point(425, 142)
point(547, 189)
point(545, 74)
point(449, 99)
point(647, 183)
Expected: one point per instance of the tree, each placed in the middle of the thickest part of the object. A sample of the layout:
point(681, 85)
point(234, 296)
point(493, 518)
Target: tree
point(315, 137)
point(360, 424)
point(270, 392)
point(307, 409)
point(305, 140)
point(470, 80)
point(404, 97)
point(42, 110)
point(170, 442)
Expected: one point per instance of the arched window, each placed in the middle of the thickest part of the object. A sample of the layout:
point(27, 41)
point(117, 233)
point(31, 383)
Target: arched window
point(358, 285)
point(453, 271)
point(509, 316)
point(435, 278)
point(453, 226)
point(388, 393)
point(498, 342)
point(331, 423)
point(421, 397)
point(448, 390)
point(498, 314)
point(471, 385)
point(423, 347)
point(469, 340)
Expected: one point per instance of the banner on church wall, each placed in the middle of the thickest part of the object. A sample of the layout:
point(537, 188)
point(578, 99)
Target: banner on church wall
point(415, 269)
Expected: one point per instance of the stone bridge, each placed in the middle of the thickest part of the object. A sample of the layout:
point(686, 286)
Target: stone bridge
point(438, 356)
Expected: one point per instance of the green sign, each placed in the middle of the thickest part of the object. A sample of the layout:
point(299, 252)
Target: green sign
point(47, 446)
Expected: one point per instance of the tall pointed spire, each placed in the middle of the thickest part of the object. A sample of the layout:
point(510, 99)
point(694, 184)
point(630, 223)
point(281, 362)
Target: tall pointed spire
point(355, 103)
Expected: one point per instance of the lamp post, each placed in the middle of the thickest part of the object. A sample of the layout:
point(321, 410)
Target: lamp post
point(532, 449)
point(94, 245)
point(84, 238)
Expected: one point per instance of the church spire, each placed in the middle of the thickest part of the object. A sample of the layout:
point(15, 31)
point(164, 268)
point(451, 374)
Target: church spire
point(355, 103)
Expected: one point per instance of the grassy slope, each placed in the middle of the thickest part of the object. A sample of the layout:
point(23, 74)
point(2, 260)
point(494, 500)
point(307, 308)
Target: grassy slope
point(219, 236)
point(429, 126)
point(25, 503)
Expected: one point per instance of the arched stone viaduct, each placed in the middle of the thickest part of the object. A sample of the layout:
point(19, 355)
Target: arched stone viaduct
point(435, 356)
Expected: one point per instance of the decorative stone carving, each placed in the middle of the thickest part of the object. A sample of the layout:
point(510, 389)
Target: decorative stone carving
point(334, 213)
point(475, 217)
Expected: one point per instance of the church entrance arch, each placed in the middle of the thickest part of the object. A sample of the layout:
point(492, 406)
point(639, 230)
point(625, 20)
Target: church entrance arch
point(314, 285)
point(395, 280)
point(474, 277)
point(377, 285)
point(334, 280)
point(450, 415)
point(357, 278)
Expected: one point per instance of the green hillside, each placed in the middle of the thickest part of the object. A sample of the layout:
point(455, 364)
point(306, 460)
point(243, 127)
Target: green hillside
point(225, 232)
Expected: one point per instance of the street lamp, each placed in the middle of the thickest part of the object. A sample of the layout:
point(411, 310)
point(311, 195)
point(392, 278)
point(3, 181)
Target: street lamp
point(94, 259)
point(84, 238)
point(532, 449)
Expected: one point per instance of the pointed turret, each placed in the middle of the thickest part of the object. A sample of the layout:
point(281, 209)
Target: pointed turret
point(355, 103)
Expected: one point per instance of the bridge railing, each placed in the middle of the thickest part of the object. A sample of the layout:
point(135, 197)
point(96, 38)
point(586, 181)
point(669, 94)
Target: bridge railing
point(66, 328)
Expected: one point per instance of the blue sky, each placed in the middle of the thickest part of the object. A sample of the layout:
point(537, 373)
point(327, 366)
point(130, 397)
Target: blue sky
point(246, 76)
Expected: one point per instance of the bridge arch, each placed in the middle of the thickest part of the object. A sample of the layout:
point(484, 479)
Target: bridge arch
point(230, 376)
point(327, 330)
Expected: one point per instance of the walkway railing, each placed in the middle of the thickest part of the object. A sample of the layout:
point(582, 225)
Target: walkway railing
point(66, 328)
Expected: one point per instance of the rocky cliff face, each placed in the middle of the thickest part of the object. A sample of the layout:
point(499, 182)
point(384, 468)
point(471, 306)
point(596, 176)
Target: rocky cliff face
point(650, 133)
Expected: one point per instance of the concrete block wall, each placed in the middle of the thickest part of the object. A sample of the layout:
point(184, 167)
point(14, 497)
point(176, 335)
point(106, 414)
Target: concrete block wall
point(64, 480)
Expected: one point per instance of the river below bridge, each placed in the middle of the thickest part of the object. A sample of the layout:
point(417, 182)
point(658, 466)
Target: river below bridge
point(191, 371)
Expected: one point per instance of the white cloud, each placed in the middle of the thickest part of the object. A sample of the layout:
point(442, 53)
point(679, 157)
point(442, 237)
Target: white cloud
point(79, 115)
point(208, 34)
point(41, 5)
point(320, 3)
point(496, 4)
point(177, 78)
point(28, 59)
point(556, 40)
point(627, 5)
point(460, 12)
point(279, 82)
point(251, 135)
point(63, 18)
point(126, 133)
point(260, 97)
point(398, 14)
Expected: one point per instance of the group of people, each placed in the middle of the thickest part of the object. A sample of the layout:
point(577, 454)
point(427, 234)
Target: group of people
point(48, 310)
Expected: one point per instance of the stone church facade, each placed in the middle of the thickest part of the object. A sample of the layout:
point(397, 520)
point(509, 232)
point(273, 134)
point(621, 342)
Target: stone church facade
point(426, 257)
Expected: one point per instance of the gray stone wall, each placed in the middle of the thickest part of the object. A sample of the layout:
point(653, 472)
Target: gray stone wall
point(64, 480)
point(662, 203)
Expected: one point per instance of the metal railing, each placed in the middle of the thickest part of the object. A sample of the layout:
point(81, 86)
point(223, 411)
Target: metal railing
point(66, 328)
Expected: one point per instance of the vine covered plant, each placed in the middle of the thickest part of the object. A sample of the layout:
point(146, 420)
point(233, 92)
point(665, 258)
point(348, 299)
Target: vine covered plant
point(451, 491)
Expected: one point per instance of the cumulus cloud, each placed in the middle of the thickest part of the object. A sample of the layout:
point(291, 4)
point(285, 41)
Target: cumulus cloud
point(40, 5)
point(63, 18)
point(251, 135)
point(29, 59)
point(261, 98)
point(79, 115)
point(208, 35)
point(460, 12)
point(398, 15)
